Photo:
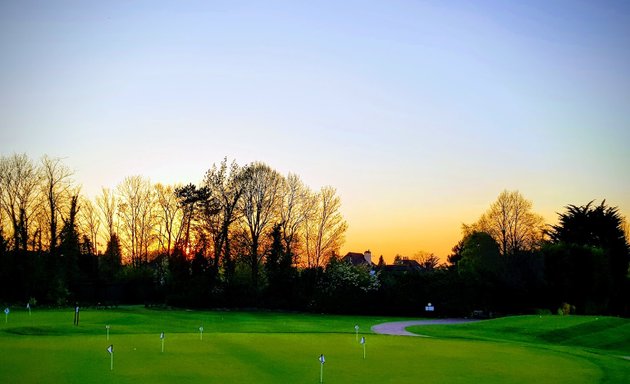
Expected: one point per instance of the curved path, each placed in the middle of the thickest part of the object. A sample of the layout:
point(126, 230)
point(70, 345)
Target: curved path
point(398, 327)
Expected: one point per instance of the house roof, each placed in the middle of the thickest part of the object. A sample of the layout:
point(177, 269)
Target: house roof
point(412, 264)
point(355, 258)
point(404, 265)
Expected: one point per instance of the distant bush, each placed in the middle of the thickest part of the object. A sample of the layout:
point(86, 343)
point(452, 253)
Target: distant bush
point(566, 309)
point(541, 311)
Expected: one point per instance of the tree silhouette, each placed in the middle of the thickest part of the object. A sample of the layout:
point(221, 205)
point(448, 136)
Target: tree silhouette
point(19, 179)
point(261, 194)
point(601, 229)
point(55, 184)
point(225, 184)
point(511, 222)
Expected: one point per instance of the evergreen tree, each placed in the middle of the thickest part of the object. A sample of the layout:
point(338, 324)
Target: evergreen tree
point(111, 261)
point(280, 272)
point(596, 231)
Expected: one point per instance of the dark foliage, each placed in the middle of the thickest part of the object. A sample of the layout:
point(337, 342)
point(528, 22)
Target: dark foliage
point(585, 265)
point(590, 257)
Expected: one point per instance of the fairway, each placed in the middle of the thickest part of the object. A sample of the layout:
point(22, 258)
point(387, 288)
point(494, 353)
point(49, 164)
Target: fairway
point(269, 347)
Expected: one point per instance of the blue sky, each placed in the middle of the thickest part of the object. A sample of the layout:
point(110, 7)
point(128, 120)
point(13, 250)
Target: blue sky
point(419, 113)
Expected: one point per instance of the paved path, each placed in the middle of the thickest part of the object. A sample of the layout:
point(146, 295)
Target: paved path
point(398, 327)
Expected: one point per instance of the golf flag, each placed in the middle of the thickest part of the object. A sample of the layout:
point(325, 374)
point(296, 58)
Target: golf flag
point(110, 349)
point(362, 340)
point(6, 315)
point(28, 306)
point(162, 338)
point(356, 332)
point(363, 343)
point(201, 333)
point(322, 360)
point(107, 330)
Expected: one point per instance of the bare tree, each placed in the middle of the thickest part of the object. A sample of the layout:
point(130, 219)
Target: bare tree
point(295, 205)
point(511, 223)
point(90, 222)
point(19, 179)
point(427, 260)
point(325, 228)
point(169, 214)
point(55, 185)
point(135, 210)
point(225, 185)
point(259, 207)
point(107, 204)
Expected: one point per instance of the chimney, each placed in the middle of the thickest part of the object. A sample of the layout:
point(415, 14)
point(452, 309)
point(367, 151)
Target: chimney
point(367, 255)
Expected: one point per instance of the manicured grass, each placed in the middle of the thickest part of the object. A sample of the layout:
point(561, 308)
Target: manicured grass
point(267, 347)
point(603, 341)
point(609, 334)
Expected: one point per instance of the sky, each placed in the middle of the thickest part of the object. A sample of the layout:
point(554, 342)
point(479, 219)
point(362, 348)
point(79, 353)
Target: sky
point(419, 113)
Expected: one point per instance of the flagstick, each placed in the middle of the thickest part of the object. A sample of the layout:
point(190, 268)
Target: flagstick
point(162, 345)
point(107, 328)
point(363, 343)
point(110, 349)
point(322, 360)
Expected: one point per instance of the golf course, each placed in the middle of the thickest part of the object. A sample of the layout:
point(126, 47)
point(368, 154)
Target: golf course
point(277, 347)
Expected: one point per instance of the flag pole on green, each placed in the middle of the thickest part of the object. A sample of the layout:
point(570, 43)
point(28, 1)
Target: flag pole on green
point(322, 360)
point(201, 333)
point(356, 332)
point(162, 338)
point(28, 306)
point(107, 330)
point(6, 315)
point(363, 343)
point(110, 349)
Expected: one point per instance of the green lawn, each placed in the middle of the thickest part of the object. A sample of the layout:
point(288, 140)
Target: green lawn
point(267, 347)
point(595, 332)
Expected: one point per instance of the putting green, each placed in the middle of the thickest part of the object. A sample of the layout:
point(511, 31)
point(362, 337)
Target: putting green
point(243, 347)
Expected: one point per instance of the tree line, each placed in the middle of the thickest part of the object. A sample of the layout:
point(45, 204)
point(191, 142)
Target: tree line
point(249, 236)
point(509, 260)
point(155, 237)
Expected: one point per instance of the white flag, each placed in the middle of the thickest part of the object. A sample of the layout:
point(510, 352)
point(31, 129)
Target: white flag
point(28, 305)
point(162, 335)
point(110, 349)
point(6, 311)
point(200, 329)
point(322, 359)
point(356, 328)
point(363, 340)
